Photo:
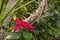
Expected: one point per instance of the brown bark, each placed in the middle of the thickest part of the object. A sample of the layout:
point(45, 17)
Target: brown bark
point(8, 7)
point(8, 19)
point(38, 12)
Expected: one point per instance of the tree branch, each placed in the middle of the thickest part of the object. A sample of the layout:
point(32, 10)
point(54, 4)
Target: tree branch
point(38, 12)
point(8, 7)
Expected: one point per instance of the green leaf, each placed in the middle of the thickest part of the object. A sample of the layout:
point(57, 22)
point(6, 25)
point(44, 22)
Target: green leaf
point(1, 4)
point(1, 15)
point(16, 35)
point(21, 6)
point(33, 38)
point(27, 35)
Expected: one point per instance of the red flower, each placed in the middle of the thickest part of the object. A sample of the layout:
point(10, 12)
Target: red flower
point(18, 22)
point(16, 28)
point(22, 24)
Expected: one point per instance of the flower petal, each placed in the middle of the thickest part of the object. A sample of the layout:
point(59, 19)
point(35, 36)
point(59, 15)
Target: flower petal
point(16, 28)
point(18, 22)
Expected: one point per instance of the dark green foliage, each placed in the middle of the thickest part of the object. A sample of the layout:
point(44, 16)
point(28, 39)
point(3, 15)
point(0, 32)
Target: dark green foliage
point(46, 27)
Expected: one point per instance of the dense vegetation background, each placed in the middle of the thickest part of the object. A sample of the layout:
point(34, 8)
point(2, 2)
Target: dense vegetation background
point(47, 25)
